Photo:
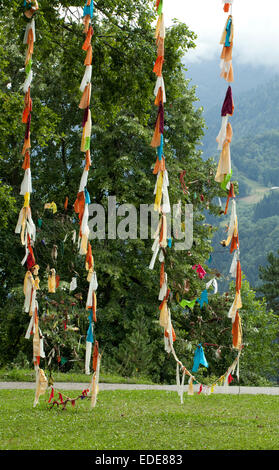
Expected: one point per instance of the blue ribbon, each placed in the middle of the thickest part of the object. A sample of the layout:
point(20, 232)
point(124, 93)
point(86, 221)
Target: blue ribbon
point(228, 28)
point(89, 337)
point(199, 358)
point(87, 196)
point(161, 148)
point(88, 10)
point(203, 299)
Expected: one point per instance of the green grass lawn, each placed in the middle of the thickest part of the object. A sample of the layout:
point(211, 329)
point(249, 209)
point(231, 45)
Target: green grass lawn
point(28, 375)
point(140, 420)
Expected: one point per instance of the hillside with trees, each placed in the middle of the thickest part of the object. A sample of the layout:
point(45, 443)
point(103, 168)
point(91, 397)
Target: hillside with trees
point(254, 153)
point(123, 118)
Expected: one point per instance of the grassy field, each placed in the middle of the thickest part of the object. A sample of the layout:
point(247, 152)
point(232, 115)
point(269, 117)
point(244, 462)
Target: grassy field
point(140, 420)
point(28, 375)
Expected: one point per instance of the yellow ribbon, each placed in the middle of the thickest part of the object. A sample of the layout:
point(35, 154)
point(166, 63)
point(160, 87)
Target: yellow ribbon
point(52, 206)
point(159, 192)
point(26, 199)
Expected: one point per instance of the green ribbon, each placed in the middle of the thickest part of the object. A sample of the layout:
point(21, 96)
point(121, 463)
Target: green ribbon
point(87, 143)
point(160, 8)
point(226, 181)
point(188, 303)
point(28, 67)
point(63, 360)
point(61, 248)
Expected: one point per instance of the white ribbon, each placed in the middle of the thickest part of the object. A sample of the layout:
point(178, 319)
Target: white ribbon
point(88, 354)
point(232, 220)
point(86, 77)
point(213, 283)
point(73, 284)
point(166, 201)
point(30, 25)
point(27, 82)
point(222, 133)
point(92, 288)
point(83, 181)
point(155, 249)
point(26, 185)
point(160, 84)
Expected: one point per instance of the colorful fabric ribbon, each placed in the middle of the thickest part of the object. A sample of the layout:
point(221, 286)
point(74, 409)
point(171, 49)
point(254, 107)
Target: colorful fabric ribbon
point(200, 271)
point(203, 299)
point(199, 359)
point(81, 205)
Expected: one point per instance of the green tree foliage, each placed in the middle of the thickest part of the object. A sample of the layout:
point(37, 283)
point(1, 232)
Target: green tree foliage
point(269, 275)
point(254, 152)
point(255, 121)
point(212, 327)
point(123, 118)
point(267, 207)
point(253, 255)
point(261, 348)
point(63, 323)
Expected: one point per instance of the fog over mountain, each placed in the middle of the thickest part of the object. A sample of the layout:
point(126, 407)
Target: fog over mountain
point(211, 88)
point(254, 155)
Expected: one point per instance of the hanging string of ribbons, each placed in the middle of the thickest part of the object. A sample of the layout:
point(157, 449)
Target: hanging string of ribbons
point(224, 172)
point(81, 205)
point(162, 205)
point(25, 226)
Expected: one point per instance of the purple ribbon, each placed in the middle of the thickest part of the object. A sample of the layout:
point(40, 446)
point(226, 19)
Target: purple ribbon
point(28, 127)
point(161, 117)
point(85, 116)
point(228, 103)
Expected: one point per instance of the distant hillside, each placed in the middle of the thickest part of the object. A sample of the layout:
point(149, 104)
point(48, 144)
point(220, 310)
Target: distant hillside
point(258, 235)
point(257, 156)
point(256, 113)
point(255, 160)
point(211, 88)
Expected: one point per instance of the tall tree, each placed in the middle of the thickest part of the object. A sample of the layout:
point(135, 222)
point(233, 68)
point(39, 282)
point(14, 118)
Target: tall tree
point(269, 276)
point(123, 119)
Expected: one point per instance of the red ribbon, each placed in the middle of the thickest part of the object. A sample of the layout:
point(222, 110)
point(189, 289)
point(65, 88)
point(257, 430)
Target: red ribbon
point(60, 397)
point(182, 182)
point(51, 395)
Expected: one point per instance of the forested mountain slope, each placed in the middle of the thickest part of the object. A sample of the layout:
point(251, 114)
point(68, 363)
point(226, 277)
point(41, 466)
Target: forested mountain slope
point(255, 163)
point(210, 88)
point(256, 114)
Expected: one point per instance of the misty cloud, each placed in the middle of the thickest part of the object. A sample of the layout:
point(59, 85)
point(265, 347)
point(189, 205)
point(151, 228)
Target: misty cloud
point(256, 39)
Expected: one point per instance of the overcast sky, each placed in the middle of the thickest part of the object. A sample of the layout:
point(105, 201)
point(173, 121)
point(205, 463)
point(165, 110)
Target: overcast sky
point(256, 38)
